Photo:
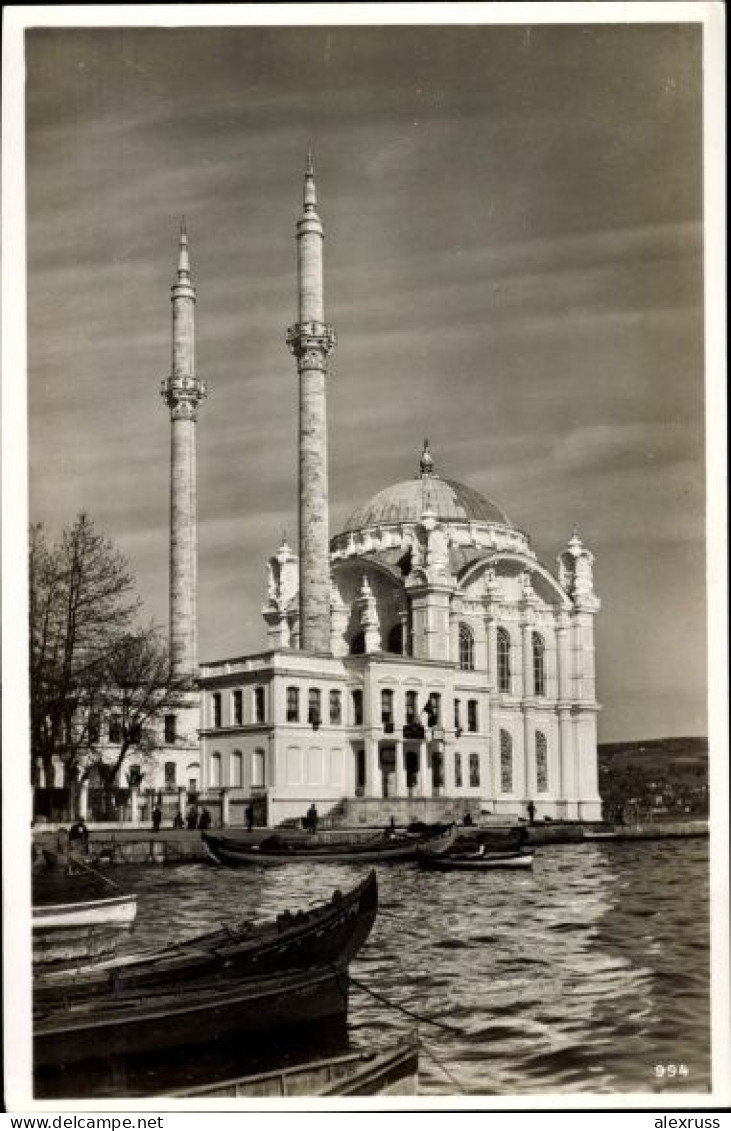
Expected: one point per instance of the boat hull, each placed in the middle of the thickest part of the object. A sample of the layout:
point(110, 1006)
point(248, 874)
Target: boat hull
point(475, 863)
point(228, 851)
point(334, 932)
point(388, 1072)
point(218, 1011)
point(71, 932)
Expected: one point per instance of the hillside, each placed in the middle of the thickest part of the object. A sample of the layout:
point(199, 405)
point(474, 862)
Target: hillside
point(663, 777)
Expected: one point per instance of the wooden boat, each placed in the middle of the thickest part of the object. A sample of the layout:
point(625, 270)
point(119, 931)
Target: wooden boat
point(386, 1072)
point(330, 932)
point(68, 928)
point(474, 861)
point(222, 1007)
point(278, 850)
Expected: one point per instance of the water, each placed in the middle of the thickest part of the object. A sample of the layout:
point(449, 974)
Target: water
point(583, 975)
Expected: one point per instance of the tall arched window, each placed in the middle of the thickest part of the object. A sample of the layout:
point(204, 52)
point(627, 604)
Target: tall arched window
point(214, 769)
point(237, 768)
point(466, 649)
point(171, 775)
point(541, 762)
point(257, 767)
point(539, 665)
point(503, 659)
point(357, 644)
point(506, 762)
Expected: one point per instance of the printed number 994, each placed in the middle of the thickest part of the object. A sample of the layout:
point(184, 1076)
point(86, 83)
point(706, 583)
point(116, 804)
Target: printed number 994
point(671, 1070)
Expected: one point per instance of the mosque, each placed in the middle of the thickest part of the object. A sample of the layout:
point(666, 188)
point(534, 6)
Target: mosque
point(421, 663)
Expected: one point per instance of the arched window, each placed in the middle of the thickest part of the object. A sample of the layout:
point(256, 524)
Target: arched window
point(237, 768)
point(396, 640)
point(539, 665)
point(214, 769)
point(257, 767)
point(503, 660)
point(466, 649)
point(357, 644)
point(412, 709)
point(506, 762)
point(171, 776)
point(541, 762)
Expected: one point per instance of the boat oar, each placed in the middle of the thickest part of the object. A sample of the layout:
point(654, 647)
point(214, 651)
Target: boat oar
point(94, 871)
point(402, 1009)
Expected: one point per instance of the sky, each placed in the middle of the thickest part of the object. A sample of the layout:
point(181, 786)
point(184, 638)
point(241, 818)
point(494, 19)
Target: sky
point(513, 265)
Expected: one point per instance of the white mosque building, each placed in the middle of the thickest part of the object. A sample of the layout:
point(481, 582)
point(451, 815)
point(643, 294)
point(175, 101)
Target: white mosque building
point(421, 663)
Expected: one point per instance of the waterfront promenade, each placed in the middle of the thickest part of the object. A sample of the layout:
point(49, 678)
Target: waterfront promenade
point(139, 844)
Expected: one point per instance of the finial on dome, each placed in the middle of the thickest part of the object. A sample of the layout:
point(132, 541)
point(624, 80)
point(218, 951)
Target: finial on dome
point(575, 539)
point(426, 463)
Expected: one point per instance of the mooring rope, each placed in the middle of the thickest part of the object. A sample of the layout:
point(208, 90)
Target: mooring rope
point(440, 1064)
point(402, 1008)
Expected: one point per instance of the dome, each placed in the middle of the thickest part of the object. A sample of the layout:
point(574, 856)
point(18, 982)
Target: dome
point(405, 502)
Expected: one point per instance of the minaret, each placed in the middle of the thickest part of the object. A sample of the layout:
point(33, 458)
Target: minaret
point(311, 340)
point(183, 392)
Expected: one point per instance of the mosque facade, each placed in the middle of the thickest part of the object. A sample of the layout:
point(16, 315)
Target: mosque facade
point(422, 662)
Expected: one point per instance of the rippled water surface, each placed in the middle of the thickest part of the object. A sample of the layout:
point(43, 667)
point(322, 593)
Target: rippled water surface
point(582, 975)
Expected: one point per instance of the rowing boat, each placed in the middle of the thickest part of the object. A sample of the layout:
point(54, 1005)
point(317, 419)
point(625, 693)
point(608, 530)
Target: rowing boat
point(71, 930)
point(222, 1007)
point(278, 850)
point(474, 861)
point(382, 1072)
point(329, 932)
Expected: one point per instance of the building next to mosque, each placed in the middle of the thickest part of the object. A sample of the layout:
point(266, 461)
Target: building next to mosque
point(421, 663)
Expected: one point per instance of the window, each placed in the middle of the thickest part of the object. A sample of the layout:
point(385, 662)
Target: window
point(238, 705)
point(358, 708)
point(259, 705)
point(539, 665)
point(457, 769)
point(336, 709)
point(135, 733)
point(396, 640)
point(170, 728)
point(387, 706)
point(541, 762)
point(94, 729)
point(466, 649)
point(506, 762)
point(457, 716)
point(134, 777)
point(293, 705)
point(472, 719)
point(503, 660)
point(474, 770)
point(237, 768)
point(357, 644)
point(314, 698)
point(214, 769)
point(433, 709)
point(171, 776)
point(115, 729)
point(257, 768)
point(216, 704)
point(411, 707)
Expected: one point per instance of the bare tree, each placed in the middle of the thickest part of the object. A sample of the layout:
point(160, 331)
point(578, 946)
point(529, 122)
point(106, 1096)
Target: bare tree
point(82, 607)
point(135, 694)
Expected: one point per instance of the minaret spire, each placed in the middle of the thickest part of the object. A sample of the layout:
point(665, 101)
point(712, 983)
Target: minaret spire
point(183, 392)
point(311, 340)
